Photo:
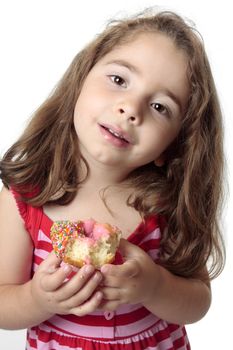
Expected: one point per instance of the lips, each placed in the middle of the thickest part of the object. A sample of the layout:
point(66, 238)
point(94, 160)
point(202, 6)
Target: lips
point(117, 133)
point(115, 136)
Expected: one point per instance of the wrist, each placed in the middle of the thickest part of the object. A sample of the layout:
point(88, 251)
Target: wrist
point(155, 284)
point(40, 308)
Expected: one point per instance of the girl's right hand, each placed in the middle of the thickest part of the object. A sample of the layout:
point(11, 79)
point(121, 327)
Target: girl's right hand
point(55, 294)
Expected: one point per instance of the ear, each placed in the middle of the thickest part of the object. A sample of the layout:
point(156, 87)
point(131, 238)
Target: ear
point(160, 161)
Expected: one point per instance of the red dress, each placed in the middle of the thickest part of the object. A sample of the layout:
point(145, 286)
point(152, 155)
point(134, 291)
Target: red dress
point(130, 327)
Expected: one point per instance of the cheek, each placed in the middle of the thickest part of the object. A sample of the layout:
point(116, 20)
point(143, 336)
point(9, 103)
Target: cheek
point(80, 120)
point(158, 138)
point(90, 105)
point(82, 112)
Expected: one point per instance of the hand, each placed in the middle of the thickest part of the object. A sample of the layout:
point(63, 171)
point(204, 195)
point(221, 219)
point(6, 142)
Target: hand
point(132, 282)
point(54, 293)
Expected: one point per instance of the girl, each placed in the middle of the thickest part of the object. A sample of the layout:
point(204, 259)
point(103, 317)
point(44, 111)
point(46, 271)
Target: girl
point(131, 136)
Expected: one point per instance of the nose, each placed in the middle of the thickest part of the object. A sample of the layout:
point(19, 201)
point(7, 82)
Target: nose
point(129, 109)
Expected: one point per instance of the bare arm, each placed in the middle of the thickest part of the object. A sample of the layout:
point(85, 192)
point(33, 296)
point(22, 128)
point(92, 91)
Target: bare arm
point(15, 264)
point(139, 280)
point(24, 301)
point(179, 300)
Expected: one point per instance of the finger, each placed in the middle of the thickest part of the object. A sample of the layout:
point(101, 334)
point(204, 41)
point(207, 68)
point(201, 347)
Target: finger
point(51, 263)
point(113, 281)
point(129, 250)
point(112, 293)
point(127, 270)
point(111, 305)
point(84, 293)
point(50, 281)
point(76, 283)
point(89, 306)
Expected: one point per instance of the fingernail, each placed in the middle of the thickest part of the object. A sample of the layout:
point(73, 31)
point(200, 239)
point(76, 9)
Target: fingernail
point(52, 269)
point(99, 295)
point(97, 276)
point(88, 269)
point(104, 269)
point(67, 268)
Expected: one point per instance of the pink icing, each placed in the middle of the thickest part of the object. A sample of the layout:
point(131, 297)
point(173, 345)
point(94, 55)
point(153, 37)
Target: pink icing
point(88, 241)
point(99, 231)
point(87, 260)
point(94, 230)
point(88, 226)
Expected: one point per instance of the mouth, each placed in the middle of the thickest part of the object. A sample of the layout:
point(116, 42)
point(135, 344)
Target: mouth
point(114, 134)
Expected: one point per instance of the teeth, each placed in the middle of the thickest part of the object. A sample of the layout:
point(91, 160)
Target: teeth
point(116, 134)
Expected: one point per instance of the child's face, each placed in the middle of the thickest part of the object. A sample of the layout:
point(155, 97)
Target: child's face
point(132, 103)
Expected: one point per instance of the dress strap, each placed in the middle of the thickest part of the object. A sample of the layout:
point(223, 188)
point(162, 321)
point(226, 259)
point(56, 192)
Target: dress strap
point(31, 215)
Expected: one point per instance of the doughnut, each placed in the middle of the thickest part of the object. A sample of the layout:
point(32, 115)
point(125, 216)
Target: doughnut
point(85, 242)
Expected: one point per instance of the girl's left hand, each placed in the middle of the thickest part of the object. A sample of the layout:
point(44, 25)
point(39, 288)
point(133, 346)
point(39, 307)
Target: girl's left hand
point(132, 282)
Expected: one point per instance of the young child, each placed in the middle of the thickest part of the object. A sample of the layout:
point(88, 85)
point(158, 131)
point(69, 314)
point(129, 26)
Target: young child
point(132, 136)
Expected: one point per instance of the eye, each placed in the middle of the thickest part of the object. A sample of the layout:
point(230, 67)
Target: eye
point(160, 108)
point(116, 79)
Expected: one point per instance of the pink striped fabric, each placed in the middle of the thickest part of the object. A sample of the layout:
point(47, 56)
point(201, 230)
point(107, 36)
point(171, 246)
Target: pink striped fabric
point(130, 327)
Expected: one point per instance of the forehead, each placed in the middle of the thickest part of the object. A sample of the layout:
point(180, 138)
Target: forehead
point(154, 57)
point(148, 46)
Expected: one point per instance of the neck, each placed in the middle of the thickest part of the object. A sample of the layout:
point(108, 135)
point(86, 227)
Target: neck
point(101, 176)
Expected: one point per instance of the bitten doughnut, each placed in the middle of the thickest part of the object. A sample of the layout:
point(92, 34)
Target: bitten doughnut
point(85, 242)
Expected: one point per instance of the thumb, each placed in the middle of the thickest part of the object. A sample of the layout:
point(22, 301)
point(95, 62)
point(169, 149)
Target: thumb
point(129, 250)
point(129, 267)
point(51, 263)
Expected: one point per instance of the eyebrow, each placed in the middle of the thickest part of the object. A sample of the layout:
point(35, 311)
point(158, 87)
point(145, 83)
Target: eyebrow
point(172, 96)
point(125, 64)
point(134, 69)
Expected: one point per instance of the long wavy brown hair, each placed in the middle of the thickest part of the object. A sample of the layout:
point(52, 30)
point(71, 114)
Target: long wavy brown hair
point(187, 190)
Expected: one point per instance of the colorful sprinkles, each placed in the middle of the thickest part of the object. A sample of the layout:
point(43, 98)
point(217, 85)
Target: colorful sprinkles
point(62, 231)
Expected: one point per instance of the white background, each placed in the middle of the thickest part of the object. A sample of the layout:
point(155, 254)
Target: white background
point(38, 40)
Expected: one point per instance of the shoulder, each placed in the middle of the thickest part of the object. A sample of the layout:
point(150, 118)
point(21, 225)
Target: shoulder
point(8, 207)
point(15, 243)
point(11, 218)
point(23, 212)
